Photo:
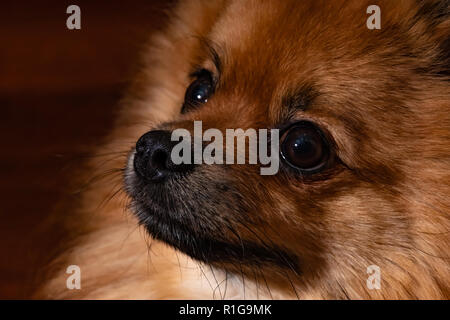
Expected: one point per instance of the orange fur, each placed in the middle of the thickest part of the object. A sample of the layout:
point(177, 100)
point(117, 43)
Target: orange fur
point(382, 96)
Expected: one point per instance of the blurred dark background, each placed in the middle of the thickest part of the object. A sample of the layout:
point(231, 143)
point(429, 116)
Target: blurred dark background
point(59, 90)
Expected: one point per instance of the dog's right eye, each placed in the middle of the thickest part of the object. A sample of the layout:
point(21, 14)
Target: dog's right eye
point(198, 91)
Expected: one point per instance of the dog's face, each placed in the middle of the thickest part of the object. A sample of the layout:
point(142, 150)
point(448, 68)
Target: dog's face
point(363, 120)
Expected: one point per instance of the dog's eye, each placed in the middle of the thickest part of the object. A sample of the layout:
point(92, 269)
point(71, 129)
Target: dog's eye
point(198, 91)
point(303, 146)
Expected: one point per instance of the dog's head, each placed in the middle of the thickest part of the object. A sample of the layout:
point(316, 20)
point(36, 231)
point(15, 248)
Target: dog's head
point(363, 119)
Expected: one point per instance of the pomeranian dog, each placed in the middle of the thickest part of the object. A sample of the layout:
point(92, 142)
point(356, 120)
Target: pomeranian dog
point(363, 186)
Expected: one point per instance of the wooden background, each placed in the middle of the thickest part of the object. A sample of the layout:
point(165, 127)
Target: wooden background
point(58, 93)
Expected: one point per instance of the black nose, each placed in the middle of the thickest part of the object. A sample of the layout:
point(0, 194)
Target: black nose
point(152, 159)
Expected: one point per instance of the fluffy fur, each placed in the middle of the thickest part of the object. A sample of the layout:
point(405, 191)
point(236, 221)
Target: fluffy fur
point(381, 95)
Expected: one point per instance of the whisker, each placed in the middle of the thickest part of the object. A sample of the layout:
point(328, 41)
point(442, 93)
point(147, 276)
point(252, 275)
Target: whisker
point(215, 279)
point(115, 173)
point(204, 275)
point(265, 281)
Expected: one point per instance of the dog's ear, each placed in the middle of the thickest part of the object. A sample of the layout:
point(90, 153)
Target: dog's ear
point(436, 15)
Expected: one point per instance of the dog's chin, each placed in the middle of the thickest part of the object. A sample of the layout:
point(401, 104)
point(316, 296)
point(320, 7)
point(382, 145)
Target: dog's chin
point(158, 222)
point(199, 244)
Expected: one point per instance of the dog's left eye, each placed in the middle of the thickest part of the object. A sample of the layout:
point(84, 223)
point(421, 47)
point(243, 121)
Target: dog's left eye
point(304, 147)
point(198, 91)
